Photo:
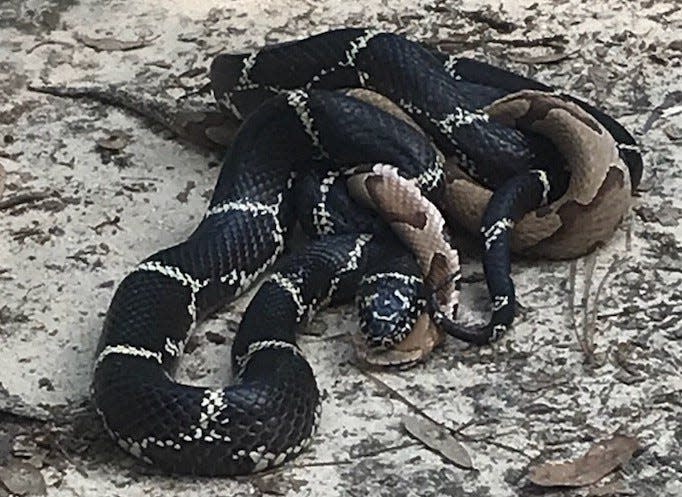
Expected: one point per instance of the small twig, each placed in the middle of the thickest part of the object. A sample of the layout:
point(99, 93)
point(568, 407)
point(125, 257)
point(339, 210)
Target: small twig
point(206, 128)
point(634, 310)
point(108, 222)
point(342, 462)
point(117, 96)
point(615, 264)
point(24, 299)
point(490, 441)
point(24, 198)
point(556, 41)
point(669, 269)
point(489, 19)
point(573, 269)
point(455, 432)
point(398, 396)
point(140, 178)
point(48, 42)
point(23, 233)
point(464, 426)
point(391, 448)
point(588, 335)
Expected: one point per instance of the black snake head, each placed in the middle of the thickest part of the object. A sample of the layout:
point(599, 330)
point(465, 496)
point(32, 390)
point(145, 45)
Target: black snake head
point(389, 304)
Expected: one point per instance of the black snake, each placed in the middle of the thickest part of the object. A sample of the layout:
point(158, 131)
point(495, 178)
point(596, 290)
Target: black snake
point(290, 159)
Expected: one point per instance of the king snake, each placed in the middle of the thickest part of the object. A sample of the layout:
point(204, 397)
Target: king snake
point(404, 130)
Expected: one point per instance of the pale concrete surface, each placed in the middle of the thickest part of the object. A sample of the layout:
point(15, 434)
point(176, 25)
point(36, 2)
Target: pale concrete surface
point(532, 398)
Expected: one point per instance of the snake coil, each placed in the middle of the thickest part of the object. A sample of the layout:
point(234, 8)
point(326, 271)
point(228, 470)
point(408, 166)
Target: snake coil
point(300, 148)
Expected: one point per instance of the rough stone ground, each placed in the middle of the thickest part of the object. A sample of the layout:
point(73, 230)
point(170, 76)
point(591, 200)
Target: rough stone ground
point(537, 396)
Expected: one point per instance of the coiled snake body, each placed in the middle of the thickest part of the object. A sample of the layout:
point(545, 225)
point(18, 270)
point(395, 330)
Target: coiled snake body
point(298, 137)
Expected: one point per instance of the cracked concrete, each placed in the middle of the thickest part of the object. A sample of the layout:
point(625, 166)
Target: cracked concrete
point(538, 395)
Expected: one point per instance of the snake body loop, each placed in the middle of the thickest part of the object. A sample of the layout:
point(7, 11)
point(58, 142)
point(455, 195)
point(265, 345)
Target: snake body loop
point(528, 160)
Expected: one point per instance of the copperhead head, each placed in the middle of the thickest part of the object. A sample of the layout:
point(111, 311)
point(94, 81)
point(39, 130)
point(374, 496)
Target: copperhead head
point(584, 218)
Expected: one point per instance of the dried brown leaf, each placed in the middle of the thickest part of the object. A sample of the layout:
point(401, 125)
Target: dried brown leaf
point(21, 478)
point(596, 463)
point(611, 490)
point(108, 44)
point(205, 128)
point(549, 58)
point(220, 135)
point(438, 439)
point(117, 140)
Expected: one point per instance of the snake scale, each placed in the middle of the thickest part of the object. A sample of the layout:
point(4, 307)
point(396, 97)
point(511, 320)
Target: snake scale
point(492, 149)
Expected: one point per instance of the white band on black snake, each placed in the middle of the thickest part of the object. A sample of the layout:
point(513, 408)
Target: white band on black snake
point(294, 128)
